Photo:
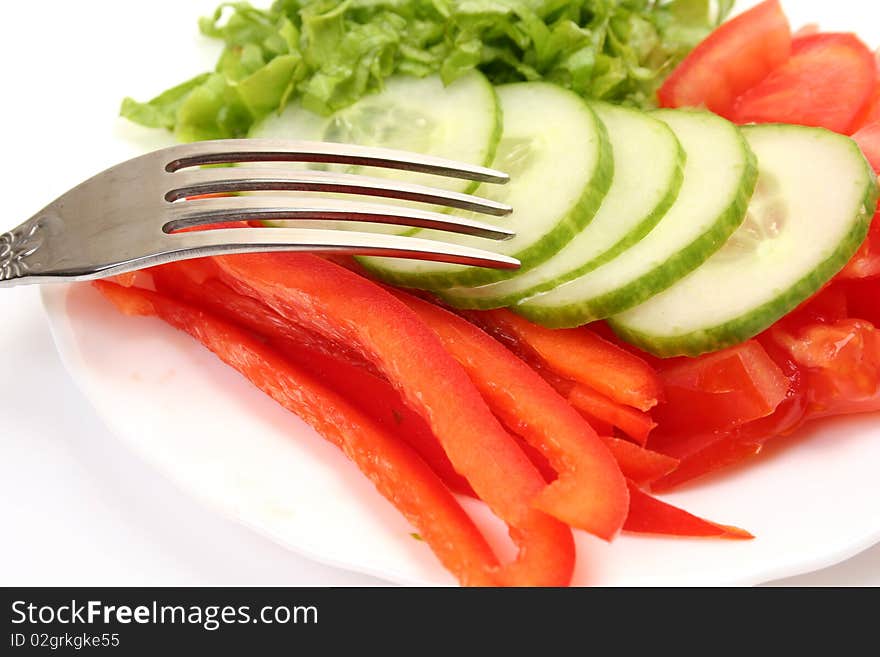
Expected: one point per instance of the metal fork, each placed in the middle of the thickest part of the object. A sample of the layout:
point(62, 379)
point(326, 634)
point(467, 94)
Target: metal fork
point(127, 217)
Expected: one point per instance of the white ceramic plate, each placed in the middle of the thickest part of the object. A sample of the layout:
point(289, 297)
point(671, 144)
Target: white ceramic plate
point(810, 502)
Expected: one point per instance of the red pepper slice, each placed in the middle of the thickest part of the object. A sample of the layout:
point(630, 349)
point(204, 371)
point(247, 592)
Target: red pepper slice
point(590, 492)
point(340, 369)
point(347, 308)
point(577, 354)
point(732, 59)
point(637, 463)
point(635, 424)
point(648, 515)
point(396, 471)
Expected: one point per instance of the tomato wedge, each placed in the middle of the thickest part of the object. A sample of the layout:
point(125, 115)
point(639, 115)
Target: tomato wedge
point(827, 82)
point(733, 58)
point(345, 307)
point(590, 492)
point(396, 471)
point(717, 392)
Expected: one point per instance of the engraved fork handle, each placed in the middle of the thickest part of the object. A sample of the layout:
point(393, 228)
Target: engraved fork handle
point(16, 247)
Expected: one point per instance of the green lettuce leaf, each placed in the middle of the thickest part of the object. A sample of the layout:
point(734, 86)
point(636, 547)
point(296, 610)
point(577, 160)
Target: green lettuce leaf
point(329, 53)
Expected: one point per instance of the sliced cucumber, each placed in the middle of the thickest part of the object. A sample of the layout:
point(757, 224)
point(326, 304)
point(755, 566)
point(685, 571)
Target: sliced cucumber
point(560, 164)
point(810, 212)
point(648, 164)
point(461, 121)
point(719, 178)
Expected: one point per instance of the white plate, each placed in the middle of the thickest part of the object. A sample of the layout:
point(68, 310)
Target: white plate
point(811, 503)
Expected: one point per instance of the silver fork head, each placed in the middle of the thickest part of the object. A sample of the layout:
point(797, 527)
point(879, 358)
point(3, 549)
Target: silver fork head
point(125, 218)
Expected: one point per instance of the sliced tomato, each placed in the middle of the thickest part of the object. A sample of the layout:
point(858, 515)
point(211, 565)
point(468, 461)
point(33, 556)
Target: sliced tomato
point(716, 392)
point(735, 57)
point(863, 299)
point(827, 82)
point(866, 262)
point(868, 139)
point(840, 362)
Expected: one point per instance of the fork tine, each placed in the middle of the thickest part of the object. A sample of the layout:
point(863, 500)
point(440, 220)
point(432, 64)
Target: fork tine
point(197, 182)
point(229, 151)
point(254, 240)
point(197, 212)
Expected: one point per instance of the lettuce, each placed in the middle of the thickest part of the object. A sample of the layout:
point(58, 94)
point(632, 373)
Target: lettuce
point(329, 53)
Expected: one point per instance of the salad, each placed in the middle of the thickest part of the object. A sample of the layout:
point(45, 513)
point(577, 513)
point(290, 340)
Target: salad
point(693, 213)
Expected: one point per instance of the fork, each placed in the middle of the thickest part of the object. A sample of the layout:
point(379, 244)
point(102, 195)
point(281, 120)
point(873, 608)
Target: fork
point(131, 216)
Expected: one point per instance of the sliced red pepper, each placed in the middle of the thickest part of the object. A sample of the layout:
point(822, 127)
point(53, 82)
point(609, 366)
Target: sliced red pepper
point(733, 58)
point(579, 355)
point(648, 515)
point(347, 308)
point(396, 471)
point(637, 463)
point(635, 424)
point(827, 82)
point(590, 492)
point(339, 368)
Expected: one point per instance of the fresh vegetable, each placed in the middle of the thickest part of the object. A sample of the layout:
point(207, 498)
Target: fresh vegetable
point(648, 515)
point(731, 60)
point(640, 465)
point(803, 226)
point(327, 54)
point(716, 393)
point(589, 492)
point(579, 355)
point(396, 471)
point(330, 300)
point(461, 121)
point(560, 167)
point(827, 82)
point(336, 365)
point(719, 178)
point(592, 405)
point(638, 198)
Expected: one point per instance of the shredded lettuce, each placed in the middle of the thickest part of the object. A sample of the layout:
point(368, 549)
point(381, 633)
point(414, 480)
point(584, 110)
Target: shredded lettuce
point(329, 53)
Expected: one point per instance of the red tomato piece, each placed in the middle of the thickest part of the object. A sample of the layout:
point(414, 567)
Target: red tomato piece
point(868, 139)
point(827, 82)
point(717, 392)
point(733, 58)
point(840, 362)
point(863, 299)
point(866, 262)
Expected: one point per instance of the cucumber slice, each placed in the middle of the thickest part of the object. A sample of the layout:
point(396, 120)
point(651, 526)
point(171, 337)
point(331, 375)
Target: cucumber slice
point(719, 178)
point(810, 212)
point(461, 121)
point(560, 164)
point(638, 198)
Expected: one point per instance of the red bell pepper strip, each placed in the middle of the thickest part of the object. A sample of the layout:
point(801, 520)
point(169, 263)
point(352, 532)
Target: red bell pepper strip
point(340, 369)
point(590, 492)
point(635, 424)
point(637, 463)
point(577, 354)
point(733, 58)
point(396, 471)
point(347, 308)
point(648, 515)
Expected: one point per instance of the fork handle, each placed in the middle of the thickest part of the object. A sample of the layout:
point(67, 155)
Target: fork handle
point(16, 247)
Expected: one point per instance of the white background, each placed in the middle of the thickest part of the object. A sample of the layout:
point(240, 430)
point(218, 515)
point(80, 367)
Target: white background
point(76, 507)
